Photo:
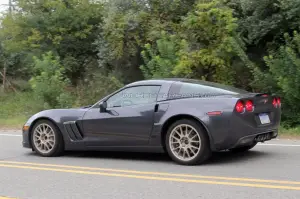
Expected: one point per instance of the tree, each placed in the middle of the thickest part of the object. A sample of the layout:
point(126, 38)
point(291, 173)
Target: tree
point(262, 24)
point(161, 59)
point(130, 26)
point(204, 45)
point(284, 67)
point(67, 28)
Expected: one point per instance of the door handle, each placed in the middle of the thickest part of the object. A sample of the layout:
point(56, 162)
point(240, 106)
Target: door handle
point(156, 107)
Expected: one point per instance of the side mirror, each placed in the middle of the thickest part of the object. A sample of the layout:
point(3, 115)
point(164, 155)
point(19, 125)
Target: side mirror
point(103, 107)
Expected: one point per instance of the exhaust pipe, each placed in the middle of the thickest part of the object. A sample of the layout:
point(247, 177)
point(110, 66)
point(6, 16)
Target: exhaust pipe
point(262, 138)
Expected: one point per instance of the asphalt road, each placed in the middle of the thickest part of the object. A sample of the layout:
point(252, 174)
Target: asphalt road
point(271, 170)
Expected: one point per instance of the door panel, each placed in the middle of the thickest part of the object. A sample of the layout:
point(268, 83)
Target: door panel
point(130, 123)
point(121, 126)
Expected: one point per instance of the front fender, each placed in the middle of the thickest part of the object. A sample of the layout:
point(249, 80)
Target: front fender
point(57, 117)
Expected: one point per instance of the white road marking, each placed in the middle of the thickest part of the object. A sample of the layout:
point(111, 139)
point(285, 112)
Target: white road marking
point(11, 135)
point(285, 145)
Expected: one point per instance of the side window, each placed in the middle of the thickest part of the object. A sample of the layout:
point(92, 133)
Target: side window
point(134, 96)
point(190, 90)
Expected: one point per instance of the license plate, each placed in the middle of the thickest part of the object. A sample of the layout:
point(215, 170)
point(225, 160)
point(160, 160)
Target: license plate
point(264, 118)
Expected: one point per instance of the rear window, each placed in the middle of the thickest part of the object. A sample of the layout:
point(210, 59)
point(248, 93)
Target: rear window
point(202, 89)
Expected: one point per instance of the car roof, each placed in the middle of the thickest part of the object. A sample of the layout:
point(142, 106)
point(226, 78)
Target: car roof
point(164, 80)
point(147, 82)
point(184, 80)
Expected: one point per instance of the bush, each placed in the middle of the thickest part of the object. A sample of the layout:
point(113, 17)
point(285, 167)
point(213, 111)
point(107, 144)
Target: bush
point(49, 83)
point(284, 67)
point(96, 88)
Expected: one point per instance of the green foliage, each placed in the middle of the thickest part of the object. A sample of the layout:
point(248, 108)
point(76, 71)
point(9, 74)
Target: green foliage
point(67, 28)
point(262, 21)
point(287, 79)
point(160, 61)
point(97, 87)
point(48, 83)
point(207, 48)
point(129, 26)
point(118, 44)
point(290, 132)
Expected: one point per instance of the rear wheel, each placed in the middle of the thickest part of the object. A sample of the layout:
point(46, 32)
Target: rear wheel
point(46, 139)
point(243, 148)
point(187, 143)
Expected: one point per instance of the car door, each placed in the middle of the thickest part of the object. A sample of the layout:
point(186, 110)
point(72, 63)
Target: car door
point(128, 120)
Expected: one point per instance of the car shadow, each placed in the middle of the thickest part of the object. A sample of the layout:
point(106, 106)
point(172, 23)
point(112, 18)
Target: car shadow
point(227, 157)
point(218, 158)
point(135, 156)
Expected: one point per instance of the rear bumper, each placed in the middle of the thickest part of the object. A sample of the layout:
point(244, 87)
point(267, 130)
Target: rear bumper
point(239, 131)
point(259, 137)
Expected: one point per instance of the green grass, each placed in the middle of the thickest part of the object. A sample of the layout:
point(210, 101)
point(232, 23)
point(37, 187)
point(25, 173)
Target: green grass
point(15, 109)
point(15, 122)
point(293, 132)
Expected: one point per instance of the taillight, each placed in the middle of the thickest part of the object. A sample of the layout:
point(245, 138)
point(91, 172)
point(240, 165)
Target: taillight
point(239, 107)
point(276, 102)
point(279, 101)
point(249, 106)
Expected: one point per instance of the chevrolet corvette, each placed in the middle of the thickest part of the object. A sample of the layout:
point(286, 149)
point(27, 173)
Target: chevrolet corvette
point(185, 118)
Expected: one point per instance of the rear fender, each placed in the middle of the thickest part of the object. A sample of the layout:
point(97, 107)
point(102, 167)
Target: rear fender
point(198, 109)
point(177, 117)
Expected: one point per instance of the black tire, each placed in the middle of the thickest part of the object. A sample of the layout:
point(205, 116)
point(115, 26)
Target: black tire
point(58, 147)
point(205, 150)
point(243, 148)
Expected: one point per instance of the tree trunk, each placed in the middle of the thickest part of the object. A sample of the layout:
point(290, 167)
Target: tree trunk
point(4, 78)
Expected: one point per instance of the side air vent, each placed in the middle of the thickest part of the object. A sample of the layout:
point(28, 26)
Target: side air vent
point(73, 131)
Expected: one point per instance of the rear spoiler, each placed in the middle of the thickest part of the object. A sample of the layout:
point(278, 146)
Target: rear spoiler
point(261, 94)
point(265, 95)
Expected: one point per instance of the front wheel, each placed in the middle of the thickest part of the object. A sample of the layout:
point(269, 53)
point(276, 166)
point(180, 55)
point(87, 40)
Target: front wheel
point(46, 139)
point(187, 143)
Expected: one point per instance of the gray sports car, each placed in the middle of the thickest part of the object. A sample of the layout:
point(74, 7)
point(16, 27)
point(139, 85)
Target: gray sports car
point(188, 119)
